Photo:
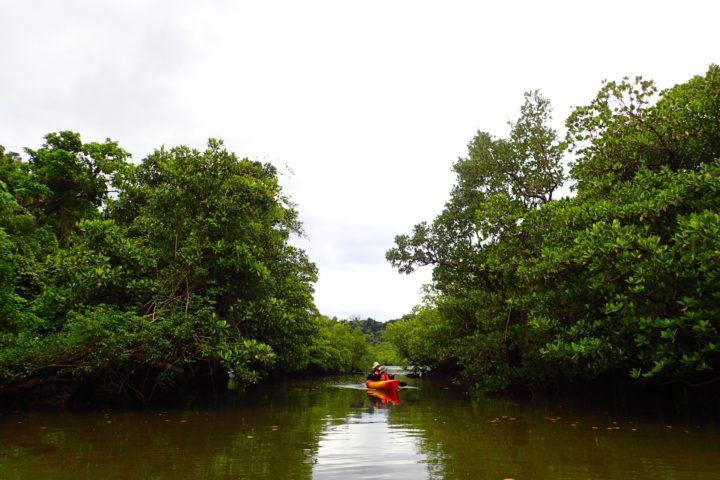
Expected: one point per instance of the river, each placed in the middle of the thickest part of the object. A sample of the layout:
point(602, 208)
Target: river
point(331, 428)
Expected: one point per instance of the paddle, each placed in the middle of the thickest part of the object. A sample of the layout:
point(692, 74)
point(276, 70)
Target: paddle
point(401, 384)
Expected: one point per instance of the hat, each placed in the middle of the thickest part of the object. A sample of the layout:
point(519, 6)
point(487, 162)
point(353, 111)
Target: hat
point(375, 365)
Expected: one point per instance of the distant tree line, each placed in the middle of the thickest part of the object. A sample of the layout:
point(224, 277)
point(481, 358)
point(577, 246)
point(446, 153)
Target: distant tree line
point(621, 280)
point(371, 328)
point(352, 345)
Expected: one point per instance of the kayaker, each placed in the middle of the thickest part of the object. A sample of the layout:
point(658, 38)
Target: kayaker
point(375, 375)
point(384, 375)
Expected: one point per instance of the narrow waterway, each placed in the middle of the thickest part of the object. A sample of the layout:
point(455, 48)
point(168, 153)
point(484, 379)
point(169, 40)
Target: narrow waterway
point(332, 428)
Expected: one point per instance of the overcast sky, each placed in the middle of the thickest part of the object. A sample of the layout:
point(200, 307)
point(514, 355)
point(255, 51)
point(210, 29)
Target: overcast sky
point(364, 106)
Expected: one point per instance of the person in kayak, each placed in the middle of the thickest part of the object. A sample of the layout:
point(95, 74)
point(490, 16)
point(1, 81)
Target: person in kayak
point(384, 375)
point(375, 375)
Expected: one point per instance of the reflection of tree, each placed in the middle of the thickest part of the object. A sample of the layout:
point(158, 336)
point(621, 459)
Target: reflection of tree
point(269, 433)
point(492, 438)
point(276, 431)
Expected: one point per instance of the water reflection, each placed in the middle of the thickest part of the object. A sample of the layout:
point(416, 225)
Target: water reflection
point(365, 445)
point(380, 399)
point(313, 429)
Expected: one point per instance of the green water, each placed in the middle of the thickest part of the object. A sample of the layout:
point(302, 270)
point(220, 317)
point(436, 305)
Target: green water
point(331, 428)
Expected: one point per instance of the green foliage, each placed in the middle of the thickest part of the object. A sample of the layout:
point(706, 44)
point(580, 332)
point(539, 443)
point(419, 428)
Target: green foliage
point(72, 179)
point(614, 298)
point(218, 231)
point(619, 280)
point(422, 338)
point(499, 181)
point(351, 345)
point(370, 327)
point(337, 347)
point(630, 126)
point(383, 352)
point(186, 268)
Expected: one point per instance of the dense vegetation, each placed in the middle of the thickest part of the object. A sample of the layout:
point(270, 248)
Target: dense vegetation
point(125, 278)
point(621, 280)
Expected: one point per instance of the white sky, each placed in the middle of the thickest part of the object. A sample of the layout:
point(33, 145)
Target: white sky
point(367, 103)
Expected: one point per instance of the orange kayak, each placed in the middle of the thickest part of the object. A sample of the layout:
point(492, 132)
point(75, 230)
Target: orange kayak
point(384, 385)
